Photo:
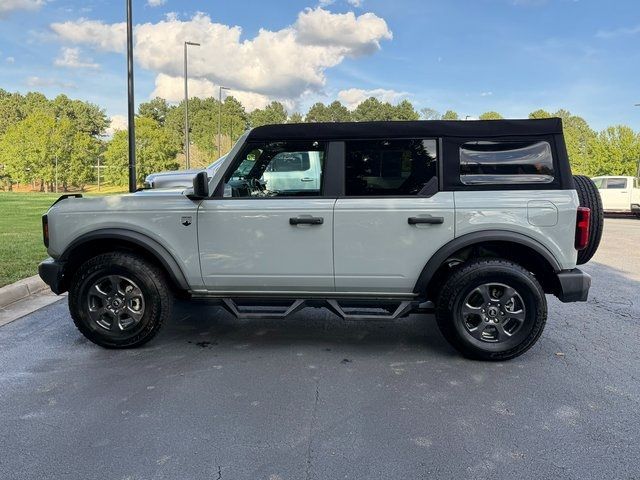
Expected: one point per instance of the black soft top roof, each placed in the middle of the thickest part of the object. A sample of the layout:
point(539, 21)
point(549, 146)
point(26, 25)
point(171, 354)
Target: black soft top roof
point(420, 128)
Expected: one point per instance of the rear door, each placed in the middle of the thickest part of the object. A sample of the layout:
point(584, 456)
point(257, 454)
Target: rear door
point(616, 194)
point(392, 218)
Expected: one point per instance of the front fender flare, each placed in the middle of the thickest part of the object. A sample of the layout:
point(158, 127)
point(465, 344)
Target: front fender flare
point(139, 239)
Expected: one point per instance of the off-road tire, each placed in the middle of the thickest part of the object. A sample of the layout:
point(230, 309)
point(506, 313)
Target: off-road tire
point(463, 281)
point(151, 281)
point(590, 197)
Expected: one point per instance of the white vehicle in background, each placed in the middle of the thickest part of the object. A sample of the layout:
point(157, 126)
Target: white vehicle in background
point(619, 194)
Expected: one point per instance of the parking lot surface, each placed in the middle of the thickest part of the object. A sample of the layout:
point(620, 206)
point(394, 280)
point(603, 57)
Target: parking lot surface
point(313, 396)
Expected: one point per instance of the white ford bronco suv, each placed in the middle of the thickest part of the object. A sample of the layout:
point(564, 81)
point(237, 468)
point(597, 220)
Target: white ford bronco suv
point(475, 221)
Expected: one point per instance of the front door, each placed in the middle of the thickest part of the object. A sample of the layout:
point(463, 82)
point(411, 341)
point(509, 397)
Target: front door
point(266, 233)
point(392, 219)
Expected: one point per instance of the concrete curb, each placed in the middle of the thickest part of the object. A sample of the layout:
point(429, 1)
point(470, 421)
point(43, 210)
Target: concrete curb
point(21, 289)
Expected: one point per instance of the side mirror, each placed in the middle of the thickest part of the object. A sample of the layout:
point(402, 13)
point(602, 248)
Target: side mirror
point(201, 185)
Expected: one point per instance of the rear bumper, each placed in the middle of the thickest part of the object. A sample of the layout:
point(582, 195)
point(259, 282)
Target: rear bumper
point(574, 285)
point(52, 272)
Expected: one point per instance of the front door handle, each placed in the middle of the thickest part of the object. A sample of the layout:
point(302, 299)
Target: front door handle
point(307, 179)
point(306, 221)
point(429, 220)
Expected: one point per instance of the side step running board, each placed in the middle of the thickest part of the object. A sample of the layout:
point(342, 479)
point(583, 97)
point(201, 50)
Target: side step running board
point(346, 309)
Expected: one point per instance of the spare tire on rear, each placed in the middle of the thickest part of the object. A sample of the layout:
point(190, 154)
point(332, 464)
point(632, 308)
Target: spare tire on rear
point(590, 198)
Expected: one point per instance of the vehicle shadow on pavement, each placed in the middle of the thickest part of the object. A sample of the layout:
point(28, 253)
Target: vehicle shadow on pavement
point(205, 325)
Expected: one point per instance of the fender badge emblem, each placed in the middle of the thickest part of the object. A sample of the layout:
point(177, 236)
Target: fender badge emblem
point(186, 221)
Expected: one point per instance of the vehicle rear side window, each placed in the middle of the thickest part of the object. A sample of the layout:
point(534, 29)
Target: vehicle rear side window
point(495, 163)
point(618, 183)
point(389, 167)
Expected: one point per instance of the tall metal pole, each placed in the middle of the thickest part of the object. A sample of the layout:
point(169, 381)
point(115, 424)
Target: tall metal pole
point(220, 119)
point(186, 106)
point(133, 184)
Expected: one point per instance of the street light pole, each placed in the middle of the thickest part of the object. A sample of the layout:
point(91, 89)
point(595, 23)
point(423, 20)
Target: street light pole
point(220, 119)
point(186, 105)
point(133, 184)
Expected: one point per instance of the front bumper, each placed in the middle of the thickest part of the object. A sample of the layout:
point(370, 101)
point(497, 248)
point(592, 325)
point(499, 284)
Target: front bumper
point(574, 285)
point(52, 273)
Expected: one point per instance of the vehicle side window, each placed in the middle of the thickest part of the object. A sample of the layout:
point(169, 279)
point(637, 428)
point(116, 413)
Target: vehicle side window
point(618, 183)
point(598, 182)
point(495, 163)
point(389, 167)
point(278, 169)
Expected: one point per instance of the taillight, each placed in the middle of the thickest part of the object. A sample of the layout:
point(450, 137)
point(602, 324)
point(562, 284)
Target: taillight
point(45, 230)
point(583, 222)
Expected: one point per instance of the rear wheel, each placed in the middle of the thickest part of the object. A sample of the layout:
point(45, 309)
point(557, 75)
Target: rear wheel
point(119, 300)
point(590, 197)
point(491, 309)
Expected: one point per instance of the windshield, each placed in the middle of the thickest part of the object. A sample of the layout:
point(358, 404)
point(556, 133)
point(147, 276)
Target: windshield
point(216, 164)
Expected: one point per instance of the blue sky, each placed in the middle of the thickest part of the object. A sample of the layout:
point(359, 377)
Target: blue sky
point(513, 56)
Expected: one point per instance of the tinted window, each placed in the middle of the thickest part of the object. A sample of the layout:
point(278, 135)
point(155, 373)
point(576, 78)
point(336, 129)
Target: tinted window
point(277, 169)
point(485, 162)
point(616, 183)
point(389, 167)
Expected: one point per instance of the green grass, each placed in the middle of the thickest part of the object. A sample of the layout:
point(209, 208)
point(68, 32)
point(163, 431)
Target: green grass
point(21, 247)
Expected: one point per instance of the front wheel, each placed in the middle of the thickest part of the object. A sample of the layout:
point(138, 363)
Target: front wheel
point(119, 300)
point(490, 309)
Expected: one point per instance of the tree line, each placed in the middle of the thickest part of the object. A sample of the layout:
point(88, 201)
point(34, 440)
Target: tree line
point(61, 141)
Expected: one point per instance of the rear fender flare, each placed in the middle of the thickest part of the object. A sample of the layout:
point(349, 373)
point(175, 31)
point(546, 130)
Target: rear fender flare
point(470, 239)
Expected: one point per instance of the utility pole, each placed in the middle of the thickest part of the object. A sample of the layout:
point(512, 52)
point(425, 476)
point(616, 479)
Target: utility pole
point(220, 119)
point(133, 184)
point(186, 106)
point(56, 174)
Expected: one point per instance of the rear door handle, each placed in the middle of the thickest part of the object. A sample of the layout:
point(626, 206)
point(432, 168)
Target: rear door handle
point(429, 220)
point(306, 221)
point(307, 179)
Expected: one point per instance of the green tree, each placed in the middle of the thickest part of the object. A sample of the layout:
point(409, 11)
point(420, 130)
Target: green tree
point(430, 114)
point(11, 110)
point(158, 109)
point(490, 116)
point(579, 138)
point(405, 111)
point(372, 110)
point(295, 117)
point(615, 151)
point(28, 149)
point(155, 151)
point(450, 115)
point(272, 114)
point(317, 113)
point(540, 113)
point(338, 112)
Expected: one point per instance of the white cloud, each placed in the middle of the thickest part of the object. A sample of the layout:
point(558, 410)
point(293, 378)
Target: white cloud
point(355, 3)
point(70, 58)
point(283, 64)
point(96, 34)
point(118, 122)
point(172, 89)
point(358, 34)
point(10, 60)
point(156, 3)
point(355, 96)
point(619, 32)
point(486, 94)
point(48, 82)
point(9, 6)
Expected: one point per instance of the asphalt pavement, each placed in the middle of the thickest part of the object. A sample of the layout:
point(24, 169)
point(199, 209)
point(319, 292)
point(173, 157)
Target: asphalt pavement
point(315, 397)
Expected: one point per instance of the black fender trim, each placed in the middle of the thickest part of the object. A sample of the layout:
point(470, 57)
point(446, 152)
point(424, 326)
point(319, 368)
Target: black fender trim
point(470, 239)
point(139, 239)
